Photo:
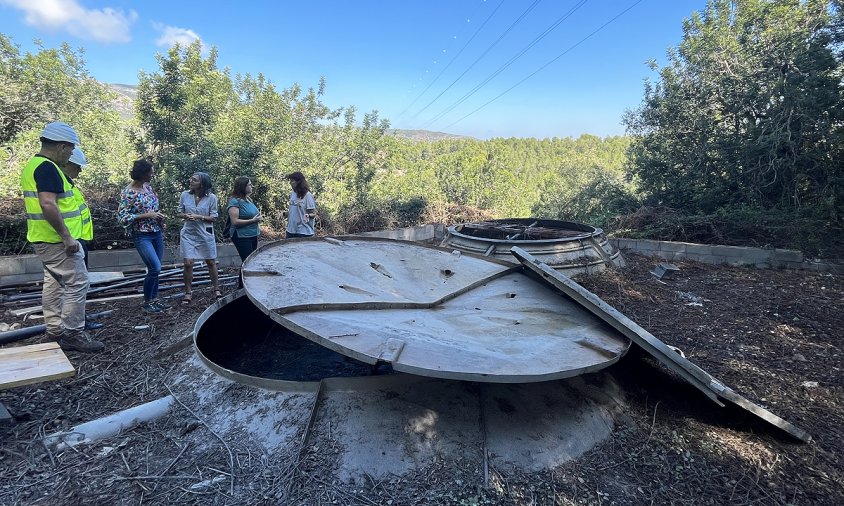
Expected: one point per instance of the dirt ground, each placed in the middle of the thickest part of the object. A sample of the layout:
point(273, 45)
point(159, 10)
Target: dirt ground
point(773, 336)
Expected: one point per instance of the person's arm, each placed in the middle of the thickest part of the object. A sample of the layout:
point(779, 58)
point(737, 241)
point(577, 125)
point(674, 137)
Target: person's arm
point(213, 205)
point(180, 211)
point(126, 214)
point(50, 209)
point(234, 217)
point(310, 206)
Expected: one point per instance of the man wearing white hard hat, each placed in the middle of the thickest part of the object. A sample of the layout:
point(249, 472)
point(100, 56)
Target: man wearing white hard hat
point(54, 227)
point(72, 169)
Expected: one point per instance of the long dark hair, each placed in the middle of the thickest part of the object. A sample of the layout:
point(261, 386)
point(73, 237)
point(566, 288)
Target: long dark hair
point(140, 168)
point(240, 184)
point(205, 181)
point(300, 185)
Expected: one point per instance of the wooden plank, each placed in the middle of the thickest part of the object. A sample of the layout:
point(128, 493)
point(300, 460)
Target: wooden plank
point(700, 379)
point(24, 365)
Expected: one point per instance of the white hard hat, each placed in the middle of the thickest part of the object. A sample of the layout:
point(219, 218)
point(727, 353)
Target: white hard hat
point(78, 157)
point(58, 131)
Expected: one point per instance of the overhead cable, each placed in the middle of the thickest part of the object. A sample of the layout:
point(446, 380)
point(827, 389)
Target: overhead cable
point(509, 62)
point(581, 41)
point(453, 58)
point(513, 25)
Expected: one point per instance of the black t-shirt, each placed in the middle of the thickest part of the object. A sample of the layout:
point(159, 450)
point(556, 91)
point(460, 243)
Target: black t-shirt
point(48, 179)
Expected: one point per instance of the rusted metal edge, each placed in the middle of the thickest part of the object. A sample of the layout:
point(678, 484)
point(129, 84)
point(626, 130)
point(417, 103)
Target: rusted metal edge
point(699, 378)
point(350, 384)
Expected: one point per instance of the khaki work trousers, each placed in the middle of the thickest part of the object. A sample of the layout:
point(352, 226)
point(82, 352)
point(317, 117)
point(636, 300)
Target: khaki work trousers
point(65, 287)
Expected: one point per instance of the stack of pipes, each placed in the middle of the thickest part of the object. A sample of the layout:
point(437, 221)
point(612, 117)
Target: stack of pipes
point(21, 296)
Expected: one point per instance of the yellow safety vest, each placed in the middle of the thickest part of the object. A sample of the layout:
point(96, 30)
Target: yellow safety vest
point(38, 229)
point(87, 224)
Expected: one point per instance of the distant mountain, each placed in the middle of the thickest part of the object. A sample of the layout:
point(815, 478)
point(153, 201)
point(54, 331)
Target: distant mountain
point(125, 101)
point(424, 135)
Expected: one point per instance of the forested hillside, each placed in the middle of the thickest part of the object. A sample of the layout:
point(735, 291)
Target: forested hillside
point(738, 140)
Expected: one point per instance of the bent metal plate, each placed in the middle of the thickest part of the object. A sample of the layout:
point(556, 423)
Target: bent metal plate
point(427, 310)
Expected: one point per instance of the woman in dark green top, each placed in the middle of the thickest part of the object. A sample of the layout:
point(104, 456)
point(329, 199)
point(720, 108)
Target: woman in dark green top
point(244, 216)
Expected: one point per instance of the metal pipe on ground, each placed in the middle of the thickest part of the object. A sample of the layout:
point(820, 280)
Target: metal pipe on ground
point(223, 281)
point(111, 425)
point(99, 289)
point(106, 286)
point(10, 336)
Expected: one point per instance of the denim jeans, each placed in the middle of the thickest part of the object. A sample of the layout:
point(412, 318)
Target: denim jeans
point(150, 246)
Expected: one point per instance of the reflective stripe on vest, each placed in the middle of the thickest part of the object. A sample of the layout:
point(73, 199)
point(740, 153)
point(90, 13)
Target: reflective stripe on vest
point(38, 229)
point(87, 225)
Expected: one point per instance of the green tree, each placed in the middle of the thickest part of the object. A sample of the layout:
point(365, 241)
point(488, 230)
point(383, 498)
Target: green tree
point(748, 112)
point(50, 85)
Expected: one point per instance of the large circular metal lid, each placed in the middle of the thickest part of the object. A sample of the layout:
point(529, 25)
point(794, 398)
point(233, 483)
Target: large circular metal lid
point(427, 310)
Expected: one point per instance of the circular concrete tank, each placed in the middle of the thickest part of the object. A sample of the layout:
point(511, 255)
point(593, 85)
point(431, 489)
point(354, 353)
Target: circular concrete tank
point(239, 342)
point(385, 425)
point(568, 247)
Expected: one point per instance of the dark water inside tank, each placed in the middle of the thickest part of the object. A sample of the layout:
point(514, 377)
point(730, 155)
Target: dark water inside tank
point(241, 338)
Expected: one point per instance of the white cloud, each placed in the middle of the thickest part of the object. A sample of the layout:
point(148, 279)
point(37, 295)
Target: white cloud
point(103, 25)
point(171, 35)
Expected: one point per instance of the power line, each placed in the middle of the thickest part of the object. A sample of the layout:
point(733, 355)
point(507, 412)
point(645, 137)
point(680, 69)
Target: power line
point(547, 64)
point(501, 69)
point(519, 19)
point(453, 58)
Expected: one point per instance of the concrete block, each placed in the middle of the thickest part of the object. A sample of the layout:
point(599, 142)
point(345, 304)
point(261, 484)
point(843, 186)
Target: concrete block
point(788, 255)
point(10, 266)
point(698, 249)
point(620, 243)
point(756, 255)
point(697, 257)
point(729, 251)
point(419, 233)
point(646, 245)
point(102, 260)
point(32, 264)
point(675, 247)
point(665, 270)
point(127, 258)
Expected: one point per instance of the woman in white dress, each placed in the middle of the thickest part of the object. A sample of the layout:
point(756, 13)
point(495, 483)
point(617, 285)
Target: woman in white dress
point(198, 208)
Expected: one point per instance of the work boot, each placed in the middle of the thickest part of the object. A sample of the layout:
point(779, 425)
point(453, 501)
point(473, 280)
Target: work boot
point(79, 340)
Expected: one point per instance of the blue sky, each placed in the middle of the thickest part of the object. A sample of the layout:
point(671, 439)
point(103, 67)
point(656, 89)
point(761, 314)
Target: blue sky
point(383, 54)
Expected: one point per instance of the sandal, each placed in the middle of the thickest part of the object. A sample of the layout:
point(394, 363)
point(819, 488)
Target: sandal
point(187, 297)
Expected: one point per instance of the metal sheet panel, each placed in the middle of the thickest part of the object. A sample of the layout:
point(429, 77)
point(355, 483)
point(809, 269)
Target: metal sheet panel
point(699, 378)
point(427, 310)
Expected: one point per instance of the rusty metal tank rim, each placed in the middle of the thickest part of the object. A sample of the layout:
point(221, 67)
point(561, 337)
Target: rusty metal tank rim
point(590, 231)
point(352, 384)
